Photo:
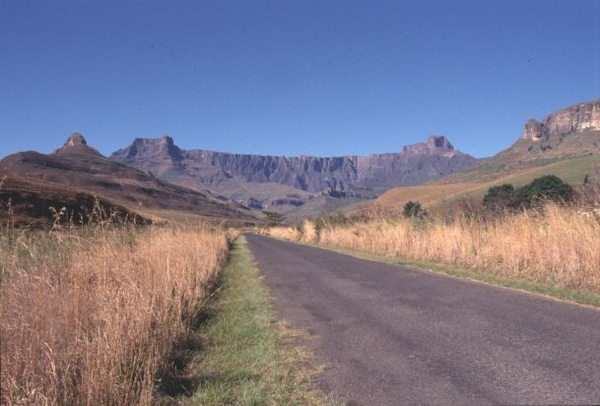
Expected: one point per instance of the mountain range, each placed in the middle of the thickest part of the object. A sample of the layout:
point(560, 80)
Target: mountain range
point(565, 143)
point(250, 179)
point(79, 181)
point(154, 179)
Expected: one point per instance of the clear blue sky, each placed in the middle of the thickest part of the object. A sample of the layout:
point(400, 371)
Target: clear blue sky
point(283, 77)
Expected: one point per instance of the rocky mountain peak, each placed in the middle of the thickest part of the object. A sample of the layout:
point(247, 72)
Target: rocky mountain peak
point(76, 143)
point(439, 142)
point(435, 145)
point(577, 118)
point(76, 140)
point(157, 148)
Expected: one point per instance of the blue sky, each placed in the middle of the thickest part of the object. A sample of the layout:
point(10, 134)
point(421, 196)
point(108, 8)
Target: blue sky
point(283, 77)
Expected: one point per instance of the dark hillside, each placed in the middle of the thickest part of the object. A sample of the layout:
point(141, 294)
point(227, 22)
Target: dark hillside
point(76, 175)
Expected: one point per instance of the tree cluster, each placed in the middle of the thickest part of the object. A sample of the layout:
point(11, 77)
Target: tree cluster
point(541, 190)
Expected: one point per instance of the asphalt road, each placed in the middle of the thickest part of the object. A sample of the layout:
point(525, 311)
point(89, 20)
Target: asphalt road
point(391, 335)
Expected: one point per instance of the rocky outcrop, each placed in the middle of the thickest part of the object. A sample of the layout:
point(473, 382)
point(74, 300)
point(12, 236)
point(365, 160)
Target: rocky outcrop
point(148, 149)
point(77, 144)
point(435, 145)
point(578, 118)
point(346, 175)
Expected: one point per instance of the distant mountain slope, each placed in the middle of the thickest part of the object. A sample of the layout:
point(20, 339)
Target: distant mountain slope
point(568, 133)
point(565, 143)
point(227, 174)
point(76, 175)
point(446, 197)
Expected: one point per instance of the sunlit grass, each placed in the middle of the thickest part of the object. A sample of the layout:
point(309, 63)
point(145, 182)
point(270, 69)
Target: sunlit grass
point(556, 248)
point(559, 248)
point(89, 316)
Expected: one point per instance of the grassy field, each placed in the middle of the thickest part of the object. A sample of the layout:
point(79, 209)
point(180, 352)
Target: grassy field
point(91, 316)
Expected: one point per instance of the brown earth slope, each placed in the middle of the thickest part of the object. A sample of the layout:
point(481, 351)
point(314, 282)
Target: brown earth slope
point(78, 178)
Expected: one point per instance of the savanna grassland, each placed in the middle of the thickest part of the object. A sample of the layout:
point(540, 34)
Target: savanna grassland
point(557, 247)
point(92, 315)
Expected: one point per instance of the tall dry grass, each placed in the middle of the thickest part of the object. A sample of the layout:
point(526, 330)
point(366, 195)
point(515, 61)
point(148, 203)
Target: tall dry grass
point(89, 317)
point(558, 247)
point(305, 232)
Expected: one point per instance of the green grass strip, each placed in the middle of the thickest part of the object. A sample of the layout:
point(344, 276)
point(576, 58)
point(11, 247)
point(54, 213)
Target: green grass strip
point(250, 359)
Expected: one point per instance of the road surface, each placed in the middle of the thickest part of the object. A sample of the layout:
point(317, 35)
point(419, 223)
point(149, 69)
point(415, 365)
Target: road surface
point(392, 335)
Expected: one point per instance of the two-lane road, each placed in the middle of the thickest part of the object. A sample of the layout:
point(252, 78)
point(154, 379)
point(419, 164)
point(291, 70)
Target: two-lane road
point(392, 335)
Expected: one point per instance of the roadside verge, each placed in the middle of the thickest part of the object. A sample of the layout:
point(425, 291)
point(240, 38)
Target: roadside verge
point(248, 358)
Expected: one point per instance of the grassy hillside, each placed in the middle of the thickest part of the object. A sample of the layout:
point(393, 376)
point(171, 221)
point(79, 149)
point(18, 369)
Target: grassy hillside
point(524, 154)
point(445, 195)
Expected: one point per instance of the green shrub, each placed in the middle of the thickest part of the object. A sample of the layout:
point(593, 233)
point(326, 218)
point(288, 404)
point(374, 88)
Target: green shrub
point(499, 198)
point(414, 210)
point(535, 194)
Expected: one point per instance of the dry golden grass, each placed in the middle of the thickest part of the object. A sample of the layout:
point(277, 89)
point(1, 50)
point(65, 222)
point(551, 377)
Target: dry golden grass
point(284, 232)
point(308, 232)
point(559, 248)
point(90, 317)
point(427, 195)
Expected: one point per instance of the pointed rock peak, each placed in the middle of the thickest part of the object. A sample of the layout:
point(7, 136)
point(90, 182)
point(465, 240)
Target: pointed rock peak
point(75, 140)
point(76, 143)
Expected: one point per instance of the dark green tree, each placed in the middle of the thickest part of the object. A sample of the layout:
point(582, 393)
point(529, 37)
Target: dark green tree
point(535, 194)
point(544, 189)
point(499, 198)
point(414, 210)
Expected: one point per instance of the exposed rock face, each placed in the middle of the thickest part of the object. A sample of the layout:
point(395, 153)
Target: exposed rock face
point(434, 145)
point(162, 147)
point(534, 130)
point(76, 143)
point(568, 133)
point(581, 117)
point(75, 140)
point(346, 175)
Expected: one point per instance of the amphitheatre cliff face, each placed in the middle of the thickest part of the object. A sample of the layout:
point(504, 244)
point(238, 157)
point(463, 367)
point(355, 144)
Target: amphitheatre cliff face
point(364, 176)
point(579, 118)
